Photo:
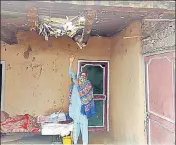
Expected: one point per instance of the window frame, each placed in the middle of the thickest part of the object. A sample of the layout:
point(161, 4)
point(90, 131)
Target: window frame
point(105, 96)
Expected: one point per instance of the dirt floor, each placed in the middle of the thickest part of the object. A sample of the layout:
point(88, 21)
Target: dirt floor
point(29, 138)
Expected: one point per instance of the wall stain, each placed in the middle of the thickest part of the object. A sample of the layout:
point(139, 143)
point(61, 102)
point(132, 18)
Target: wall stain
point(49, 44)
point(40, 73)
point(68, 45)
point(56, 58)
point(36, 72)
point(33, 59)
point(9, 67)
point(26, 53)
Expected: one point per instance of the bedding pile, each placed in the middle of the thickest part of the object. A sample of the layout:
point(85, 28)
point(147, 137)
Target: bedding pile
point(20, 123)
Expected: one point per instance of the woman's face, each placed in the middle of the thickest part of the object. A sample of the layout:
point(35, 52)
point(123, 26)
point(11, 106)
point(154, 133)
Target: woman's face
point(82, 78)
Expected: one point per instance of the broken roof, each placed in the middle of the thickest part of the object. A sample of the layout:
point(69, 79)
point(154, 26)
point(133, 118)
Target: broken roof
point(109, 19)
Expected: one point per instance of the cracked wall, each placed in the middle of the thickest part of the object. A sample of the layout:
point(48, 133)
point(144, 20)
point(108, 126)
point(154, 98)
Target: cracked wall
point(37, 80)
point(158, 36)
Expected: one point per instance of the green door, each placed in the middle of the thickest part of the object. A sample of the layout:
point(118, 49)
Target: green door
point(97, 75)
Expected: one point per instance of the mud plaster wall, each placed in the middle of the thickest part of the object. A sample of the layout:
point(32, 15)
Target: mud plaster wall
point(37, 80)
point(127, 87)
point(158, 36)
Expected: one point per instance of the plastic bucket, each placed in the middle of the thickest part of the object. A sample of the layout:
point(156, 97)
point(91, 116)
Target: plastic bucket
point(67, 140)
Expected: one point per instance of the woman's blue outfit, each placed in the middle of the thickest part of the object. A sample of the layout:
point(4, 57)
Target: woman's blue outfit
point(80, 120)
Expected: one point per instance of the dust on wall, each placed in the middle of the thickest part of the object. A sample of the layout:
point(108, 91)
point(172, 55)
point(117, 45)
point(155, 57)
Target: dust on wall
point(127, 87)
point(158, 36)
point(37, 80)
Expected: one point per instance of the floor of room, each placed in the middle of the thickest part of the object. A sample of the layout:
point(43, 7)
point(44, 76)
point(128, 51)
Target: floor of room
point(28, 138)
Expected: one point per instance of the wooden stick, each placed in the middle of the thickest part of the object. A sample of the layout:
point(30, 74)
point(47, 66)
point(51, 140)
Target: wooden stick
point(132, 37)
point(159, 20)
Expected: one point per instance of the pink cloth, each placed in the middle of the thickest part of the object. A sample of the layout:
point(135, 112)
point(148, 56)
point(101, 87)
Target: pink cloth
point(4, 116)
point(42, 119)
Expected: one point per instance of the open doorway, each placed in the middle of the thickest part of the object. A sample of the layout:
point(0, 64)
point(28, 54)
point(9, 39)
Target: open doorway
point(2, 84)
point(98, 75)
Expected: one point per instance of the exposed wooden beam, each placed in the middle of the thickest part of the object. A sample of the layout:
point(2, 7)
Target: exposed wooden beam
point(171, 20)
point(139, 10)
point(88, 26)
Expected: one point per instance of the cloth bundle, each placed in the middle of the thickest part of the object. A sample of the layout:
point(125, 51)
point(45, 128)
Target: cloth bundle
point(54, 117)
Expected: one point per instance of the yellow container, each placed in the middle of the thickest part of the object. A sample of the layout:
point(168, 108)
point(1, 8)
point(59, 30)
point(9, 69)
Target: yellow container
point(67, 140)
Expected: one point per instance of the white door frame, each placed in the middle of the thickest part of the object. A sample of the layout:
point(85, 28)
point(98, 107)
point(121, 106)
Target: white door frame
point(3, 85)
point(82, 60)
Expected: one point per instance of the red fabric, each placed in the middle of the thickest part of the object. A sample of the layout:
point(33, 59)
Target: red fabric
point(35, 130)
point(21, 122)
point(26, 120)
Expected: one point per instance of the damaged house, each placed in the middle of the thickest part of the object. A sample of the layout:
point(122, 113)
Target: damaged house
point(128, 49)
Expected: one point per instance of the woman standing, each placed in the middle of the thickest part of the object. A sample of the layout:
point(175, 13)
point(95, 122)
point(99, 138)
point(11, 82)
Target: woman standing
point(82, 104)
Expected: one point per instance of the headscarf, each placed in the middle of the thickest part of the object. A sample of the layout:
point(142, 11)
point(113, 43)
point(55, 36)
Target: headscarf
point(85, 90)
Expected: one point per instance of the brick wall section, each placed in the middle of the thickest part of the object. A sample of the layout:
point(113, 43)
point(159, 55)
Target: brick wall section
point(158, 36)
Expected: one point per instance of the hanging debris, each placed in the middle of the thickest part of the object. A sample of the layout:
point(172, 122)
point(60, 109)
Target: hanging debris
point(78, 28)
point(87, 28)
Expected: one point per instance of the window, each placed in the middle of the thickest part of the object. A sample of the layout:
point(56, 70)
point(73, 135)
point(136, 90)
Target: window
point(98, 76)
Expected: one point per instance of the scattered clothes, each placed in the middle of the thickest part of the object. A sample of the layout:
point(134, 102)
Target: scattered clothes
point(42, 119)
point(54, 117)
point(68, 118)
point(57, 117)
point(66, 122)
point(20, 123)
